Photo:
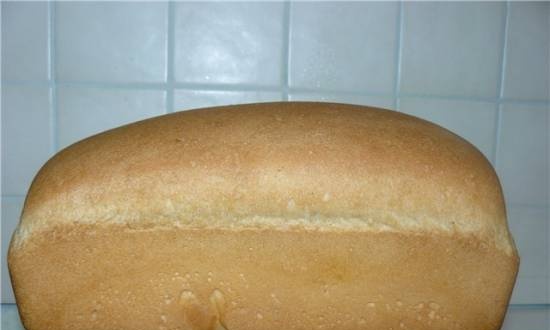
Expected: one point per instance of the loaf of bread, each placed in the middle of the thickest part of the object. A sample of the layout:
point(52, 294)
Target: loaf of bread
point(269, 216)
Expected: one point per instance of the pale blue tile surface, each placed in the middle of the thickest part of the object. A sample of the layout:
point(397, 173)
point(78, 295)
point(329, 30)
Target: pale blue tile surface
point(26, 135)
point(452, 48)
point(529, 227)
point(522, 159)
point(86, 111)
point(530, 290)
point(527, 319)
point(192, 99)
point(10, 318)
point(371, 100)
point(527, 71)
point(11, 210)
point(25, 40)
point(229, 42)
point(474, 121)
point(344, 45)
point(111, 41)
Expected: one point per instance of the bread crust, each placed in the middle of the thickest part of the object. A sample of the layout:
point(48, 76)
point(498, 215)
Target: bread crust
point(307, 174)
point(115, 277)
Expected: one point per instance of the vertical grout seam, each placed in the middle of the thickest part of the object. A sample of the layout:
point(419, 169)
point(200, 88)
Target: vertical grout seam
point(170, 35)
point(285, 68)
point(498, 119)
point(398, 57)
point(52, 76)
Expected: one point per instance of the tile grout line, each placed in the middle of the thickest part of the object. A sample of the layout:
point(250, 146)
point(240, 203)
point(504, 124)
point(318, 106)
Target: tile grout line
point(474, 99)
point(286, 51)
point(170, 55)
point(52, 77)
point(251, 87)
point(398, 57)
point(114, 85)
point(227, 87)
point(498, 119)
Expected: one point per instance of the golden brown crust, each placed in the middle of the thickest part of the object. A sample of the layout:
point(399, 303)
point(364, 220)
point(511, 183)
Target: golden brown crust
point(331, 166)
point(114, 277)
point(284, 215)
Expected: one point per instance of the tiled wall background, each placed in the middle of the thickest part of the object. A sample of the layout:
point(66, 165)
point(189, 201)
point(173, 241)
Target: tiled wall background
point(480, 69)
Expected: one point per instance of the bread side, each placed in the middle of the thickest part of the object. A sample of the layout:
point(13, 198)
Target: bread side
point(105, 277)
point(275, 165)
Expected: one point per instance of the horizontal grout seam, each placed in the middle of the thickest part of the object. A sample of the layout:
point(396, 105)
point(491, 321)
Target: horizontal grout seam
point(266, 88)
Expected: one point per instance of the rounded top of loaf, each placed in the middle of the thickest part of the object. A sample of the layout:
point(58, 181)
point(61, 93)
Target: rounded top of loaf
point(283, 166)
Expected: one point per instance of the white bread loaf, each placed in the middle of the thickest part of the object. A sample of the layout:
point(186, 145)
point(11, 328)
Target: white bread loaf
point(266, 216)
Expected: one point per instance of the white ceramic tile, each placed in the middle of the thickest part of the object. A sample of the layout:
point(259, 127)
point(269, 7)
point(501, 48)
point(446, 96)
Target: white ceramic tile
point(111, 41)
point(86, 111)
point(24, 40)
point(11, 210)
point(26, 140)
point(452, 48)
point(344, 45)
point(529, 227)
point(522, 159)
point(374, 101)
point(229, 42)
point(524, 319)
point(531, 290)
point(193, 99)
point(528, 51)
point(474, 121)
point(10, 318)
